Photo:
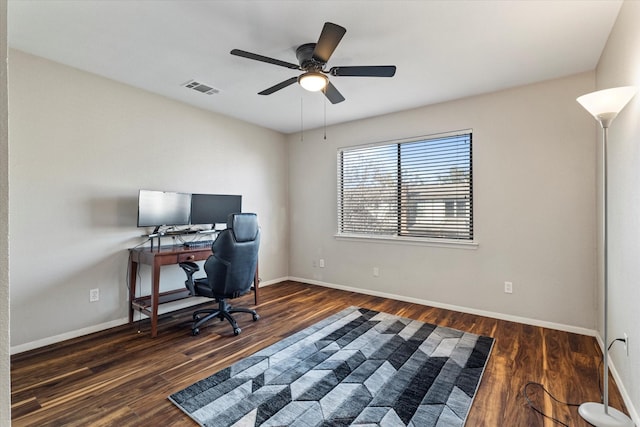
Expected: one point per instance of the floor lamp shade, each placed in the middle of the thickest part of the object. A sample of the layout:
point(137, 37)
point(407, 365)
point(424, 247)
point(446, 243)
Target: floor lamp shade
point(605, 105)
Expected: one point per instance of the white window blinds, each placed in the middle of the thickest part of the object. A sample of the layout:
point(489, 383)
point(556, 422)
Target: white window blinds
point(419, 188)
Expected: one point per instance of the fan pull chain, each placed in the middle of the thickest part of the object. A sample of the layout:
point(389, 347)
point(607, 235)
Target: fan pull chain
point(301, 123)
point(325, 117)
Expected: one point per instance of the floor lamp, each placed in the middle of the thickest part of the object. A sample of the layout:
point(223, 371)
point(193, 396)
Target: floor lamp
point(605, 105)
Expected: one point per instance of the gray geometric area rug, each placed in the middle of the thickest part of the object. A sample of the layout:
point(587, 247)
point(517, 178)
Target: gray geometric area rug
point(358, 367)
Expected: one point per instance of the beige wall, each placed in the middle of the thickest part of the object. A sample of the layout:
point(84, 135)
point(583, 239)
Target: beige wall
point(81, 147)
point(534, 208)
point(620, 66)
point(5, 390)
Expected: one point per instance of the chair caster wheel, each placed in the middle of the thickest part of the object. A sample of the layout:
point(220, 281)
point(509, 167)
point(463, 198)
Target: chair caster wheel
point(237, 331)
point(255, 317)
point(195, 331)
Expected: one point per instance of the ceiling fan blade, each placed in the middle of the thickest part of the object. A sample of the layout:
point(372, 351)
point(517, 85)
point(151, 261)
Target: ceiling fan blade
point(332, 94)
point(279, 86)
point(266, 59)
point(364, 71)
point(329, 38)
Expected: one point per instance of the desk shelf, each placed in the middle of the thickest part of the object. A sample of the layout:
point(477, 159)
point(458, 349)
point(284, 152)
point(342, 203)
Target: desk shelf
point(143, 304)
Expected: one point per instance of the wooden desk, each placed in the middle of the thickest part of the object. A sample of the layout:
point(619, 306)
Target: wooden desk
point(157, 257)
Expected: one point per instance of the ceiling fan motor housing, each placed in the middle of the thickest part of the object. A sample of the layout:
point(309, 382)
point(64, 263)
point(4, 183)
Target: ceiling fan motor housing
point(307, 62)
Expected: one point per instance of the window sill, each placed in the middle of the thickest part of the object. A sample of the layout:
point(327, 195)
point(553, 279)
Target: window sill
point(417, 241)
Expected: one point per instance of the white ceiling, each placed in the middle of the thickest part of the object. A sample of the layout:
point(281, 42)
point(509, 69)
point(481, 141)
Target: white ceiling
point(443, 50)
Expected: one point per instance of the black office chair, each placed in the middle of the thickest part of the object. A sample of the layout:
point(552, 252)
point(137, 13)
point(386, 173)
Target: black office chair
point(230, 270)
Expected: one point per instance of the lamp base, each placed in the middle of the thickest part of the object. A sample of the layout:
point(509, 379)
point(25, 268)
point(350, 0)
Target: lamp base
point(593, 413)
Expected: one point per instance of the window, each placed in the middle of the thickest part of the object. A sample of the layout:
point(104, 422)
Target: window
point(418, 188)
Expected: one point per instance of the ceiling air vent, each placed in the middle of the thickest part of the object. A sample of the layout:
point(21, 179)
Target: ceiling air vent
point(200, 87)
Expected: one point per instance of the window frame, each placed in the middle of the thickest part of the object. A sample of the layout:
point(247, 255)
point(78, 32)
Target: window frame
point(397, 237)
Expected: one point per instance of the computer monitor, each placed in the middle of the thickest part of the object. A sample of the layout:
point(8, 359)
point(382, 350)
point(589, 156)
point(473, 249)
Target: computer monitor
point(214, 208)
point(163, 208)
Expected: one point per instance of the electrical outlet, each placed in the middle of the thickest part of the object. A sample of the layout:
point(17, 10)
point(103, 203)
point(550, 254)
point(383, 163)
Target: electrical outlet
point(508, 287)
point(94, 295)
point(626, 343)
point(376, 272)
point(321, 263)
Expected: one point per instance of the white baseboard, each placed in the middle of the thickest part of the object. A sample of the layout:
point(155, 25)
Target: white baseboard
point(494, 315)
point(67, 336)
point(273, 282)
point(176, 305)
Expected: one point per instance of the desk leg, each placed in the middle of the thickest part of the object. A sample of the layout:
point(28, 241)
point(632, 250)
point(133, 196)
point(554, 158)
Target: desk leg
point(133, 273)
point(256, 283)
point(155, 293)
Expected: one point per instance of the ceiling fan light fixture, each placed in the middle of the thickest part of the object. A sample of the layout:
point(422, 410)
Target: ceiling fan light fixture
point(313, 81)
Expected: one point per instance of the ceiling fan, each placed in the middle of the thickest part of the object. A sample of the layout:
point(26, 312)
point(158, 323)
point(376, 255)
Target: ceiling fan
point(312, 58)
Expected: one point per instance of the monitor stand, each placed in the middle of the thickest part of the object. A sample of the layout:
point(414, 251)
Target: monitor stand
point(156, 233)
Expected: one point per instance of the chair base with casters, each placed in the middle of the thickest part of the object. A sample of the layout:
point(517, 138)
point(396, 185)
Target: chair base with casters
point(223, 311)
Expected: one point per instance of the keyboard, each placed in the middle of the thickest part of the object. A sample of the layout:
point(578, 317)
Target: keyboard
point(199, 244)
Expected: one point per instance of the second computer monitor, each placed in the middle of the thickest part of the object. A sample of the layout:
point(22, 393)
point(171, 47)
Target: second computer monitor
point(214, 208)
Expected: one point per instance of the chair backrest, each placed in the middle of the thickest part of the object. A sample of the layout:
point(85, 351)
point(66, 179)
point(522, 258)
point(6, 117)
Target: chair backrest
point(231, 268)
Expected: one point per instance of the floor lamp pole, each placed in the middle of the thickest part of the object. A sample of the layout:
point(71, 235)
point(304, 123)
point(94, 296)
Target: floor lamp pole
point(605, 242)
point(604, 106)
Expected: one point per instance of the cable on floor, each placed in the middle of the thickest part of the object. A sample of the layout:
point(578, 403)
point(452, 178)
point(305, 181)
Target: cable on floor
point(555, 420)
point(539, 411)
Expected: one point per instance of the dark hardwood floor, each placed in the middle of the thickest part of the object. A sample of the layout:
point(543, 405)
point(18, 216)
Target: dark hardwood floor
point(120, 377)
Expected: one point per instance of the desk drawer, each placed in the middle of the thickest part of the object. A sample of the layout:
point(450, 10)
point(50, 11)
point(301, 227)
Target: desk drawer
point(195, 256)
